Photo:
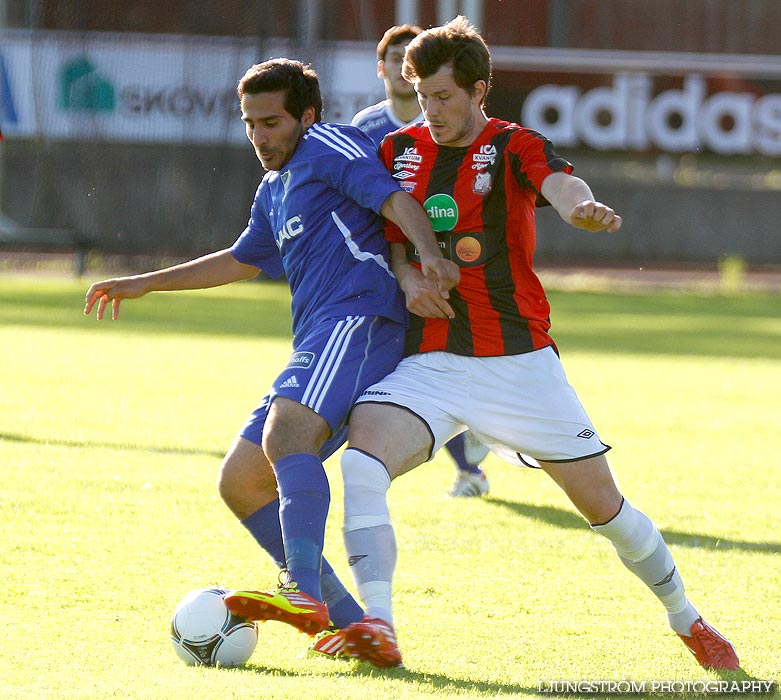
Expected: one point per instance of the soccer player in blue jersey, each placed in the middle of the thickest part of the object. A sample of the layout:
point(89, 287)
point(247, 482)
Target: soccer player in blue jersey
point(316, 220)
point(400, 108)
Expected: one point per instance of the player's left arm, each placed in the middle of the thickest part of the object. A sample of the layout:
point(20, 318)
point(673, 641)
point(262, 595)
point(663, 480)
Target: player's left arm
point(409, 216)
point(572, 198)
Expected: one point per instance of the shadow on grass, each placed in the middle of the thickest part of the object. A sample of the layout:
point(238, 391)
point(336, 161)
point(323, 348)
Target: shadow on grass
point(434, 681)
point(438, 682)
point(741, 677)
point(152, 449)
point(571, 521)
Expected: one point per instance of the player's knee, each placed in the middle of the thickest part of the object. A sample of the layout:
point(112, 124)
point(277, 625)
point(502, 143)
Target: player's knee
point(633, 535)
point(366, 483)
point(291, 428)
point(230, 482)
point(245, 482)
point(397, 438)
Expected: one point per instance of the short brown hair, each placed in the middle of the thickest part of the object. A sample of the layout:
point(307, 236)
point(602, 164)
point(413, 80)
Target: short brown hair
point(457, 44)
point(297, 81)
point(400, 34)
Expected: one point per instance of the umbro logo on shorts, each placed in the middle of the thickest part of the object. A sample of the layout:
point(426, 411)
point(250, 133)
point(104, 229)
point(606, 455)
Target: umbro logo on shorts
point(586, 434)
point(353, 560)
point(290, 382)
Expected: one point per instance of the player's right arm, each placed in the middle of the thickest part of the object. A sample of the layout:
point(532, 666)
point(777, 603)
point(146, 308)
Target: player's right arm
point(422, 295)
point(211, 270)
point(411, 218)
point(571, 197)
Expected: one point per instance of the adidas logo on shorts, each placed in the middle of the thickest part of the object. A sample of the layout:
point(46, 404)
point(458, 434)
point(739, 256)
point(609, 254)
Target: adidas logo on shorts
point(289, 383)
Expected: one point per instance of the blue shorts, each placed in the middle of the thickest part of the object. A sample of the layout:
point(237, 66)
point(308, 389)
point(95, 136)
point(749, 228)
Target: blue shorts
point(330, 367)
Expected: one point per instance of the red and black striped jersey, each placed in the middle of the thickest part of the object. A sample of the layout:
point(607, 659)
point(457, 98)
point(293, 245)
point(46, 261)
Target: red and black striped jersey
point(481, 202)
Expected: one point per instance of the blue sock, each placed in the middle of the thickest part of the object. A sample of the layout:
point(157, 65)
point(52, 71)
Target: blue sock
point(264, 526)
point(455, 447)
point(343, 608)
point(304, 497)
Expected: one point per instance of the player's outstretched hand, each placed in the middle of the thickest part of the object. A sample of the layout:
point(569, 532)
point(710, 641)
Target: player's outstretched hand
point(113, 290)
point(423, 296)
point(445, 273)
point(594, 216)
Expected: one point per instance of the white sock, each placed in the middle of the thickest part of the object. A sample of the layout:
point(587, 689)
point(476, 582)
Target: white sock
point(643, 551)
point(368, 534)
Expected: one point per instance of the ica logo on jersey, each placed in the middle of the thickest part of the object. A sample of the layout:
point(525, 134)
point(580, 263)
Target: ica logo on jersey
point(487, 154)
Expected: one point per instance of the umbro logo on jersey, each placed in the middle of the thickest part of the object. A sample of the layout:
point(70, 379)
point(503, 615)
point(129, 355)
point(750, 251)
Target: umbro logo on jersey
point(290, 383)
point(586, 434)
point(410, 155)
point(403, 175)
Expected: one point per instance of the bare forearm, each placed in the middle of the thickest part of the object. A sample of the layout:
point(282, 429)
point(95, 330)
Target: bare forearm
point(565, 192)
point(422, 295)
point(574, 202)
point(212, 270)
point(410, 217)
point(399, 263)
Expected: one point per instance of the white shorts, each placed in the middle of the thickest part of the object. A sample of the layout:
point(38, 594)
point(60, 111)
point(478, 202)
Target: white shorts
point(520, 406)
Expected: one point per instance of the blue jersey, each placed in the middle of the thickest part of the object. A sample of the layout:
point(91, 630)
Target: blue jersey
point(378, 120)
point(317, 221)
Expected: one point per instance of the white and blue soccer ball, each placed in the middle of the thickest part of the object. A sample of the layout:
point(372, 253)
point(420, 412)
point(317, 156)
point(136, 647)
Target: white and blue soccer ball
point(205, 633)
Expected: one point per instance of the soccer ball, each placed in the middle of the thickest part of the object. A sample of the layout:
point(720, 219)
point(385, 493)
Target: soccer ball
point(205, 633)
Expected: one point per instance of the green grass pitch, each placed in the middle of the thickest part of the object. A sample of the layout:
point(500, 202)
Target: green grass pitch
point(110, 439)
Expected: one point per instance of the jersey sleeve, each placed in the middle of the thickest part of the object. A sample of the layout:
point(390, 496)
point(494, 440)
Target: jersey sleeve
point(356, 172)
point(533, 159)
point(359, 118)
point(256, 245)
point(393, 234)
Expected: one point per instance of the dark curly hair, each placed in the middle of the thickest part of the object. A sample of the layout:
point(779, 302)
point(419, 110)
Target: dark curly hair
point(297, 81)
point(457, 44)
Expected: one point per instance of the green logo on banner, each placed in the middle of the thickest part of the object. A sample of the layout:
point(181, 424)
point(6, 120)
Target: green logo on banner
point(83, 89)
point(442, 211)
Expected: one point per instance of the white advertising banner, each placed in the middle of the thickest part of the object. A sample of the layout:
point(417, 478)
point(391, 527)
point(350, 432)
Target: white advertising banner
point(627, 116)
point(182, 90)
point(158, 89)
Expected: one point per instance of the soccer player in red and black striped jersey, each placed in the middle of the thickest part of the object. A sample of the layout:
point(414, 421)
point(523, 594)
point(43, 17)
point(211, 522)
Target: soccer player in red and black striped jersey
point(401, 108)
point(486, 361)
